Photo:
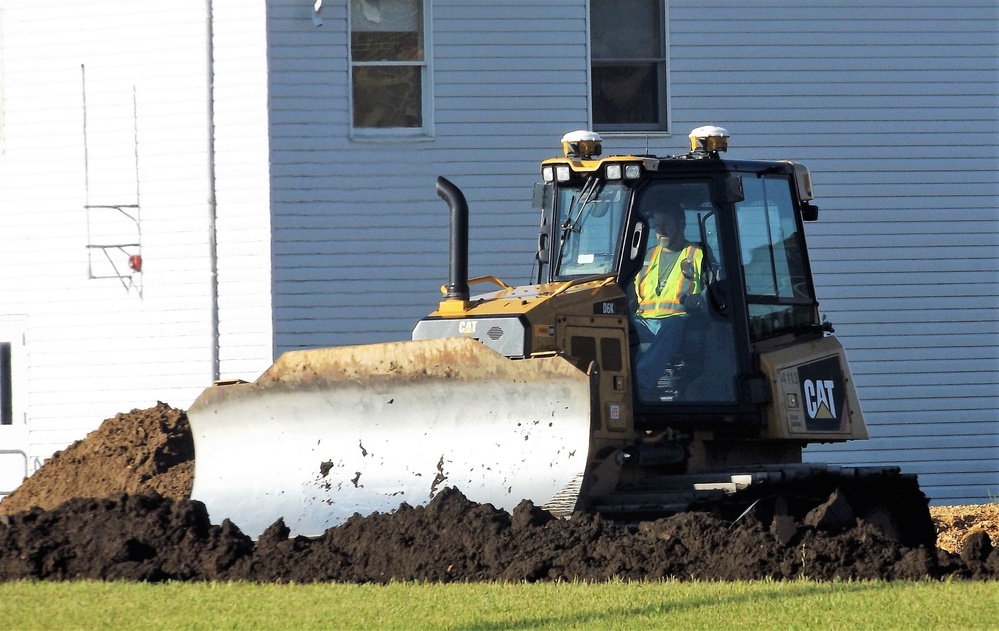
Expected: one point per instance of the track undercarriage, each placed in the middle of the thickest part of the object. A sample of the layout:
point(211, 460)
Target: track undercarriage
point(805, 492)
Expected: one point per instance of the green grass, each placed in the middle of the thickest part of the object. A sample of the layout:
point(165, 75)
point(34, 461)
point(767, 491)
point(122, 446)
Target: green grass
point(665, 605)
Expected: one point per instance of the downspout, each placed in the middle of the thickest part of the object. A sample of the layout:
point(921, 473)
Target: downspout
point(213, 260)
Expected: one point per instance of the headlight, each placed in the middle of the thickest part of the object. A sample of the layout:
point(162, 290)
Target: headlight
point(613, 172)
point(562, 173)
point(548, 174)
point(632, 171)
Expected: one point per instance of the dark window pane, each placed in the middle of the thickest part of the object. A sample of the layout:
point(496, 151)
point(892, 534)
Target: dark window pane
point(6, 406)
point(626, 29)
point(387, 96)
point(626, 95)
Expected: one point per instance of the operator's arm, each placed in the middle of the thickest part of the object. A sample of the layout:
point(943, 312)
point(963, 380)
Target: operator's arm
point(693, 300)
point(634, 290)
point(632, 300)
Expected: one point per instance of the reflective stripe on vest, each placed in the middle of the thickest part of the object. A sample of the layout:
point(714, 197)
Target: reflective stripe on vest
point(654, 304)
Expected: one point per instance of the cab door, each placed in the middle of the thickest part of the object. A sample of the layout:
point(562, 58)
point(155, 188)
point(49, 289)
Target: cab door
point(704, 369)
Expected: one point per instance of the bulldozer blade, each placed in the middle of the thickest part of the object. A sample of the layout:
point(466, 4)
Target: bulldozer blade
point(324, 434)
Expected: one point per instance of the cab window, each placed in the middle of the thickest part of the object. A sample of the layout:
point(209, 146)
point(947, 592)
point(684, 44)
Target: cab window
point(590, 220)
point(773, 264)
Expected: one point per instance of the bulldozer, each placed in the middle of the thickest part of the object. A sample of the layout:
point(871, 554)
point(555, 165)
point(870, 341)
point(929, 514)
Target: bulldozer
point(540, 392)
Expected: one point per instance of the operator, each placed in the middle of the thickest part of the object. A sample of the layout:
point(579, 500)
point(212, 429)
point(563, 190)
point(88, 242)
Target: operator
point(665, 288)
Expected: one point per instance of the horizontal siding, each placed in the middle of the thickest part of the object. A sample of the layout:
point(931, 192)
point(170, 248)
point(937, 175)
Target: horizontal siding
point(360, 236)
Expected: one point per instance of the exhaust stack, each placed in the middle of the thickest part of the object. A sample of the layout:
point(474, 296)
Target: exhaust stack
point(456, 292)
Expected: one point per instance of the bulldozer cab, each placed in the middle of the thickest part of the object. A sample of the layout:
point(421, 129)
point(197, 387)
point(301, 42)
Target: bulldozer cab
point(747, 288)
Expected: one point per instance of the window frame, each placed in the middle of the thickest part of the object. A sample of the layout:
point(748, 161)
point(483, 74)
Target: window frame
point(662, 127)
point(426, 85)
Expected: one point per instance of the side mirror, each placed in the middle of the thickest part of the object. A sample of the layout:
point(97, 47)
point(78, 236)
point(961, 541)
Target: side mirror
point(733, 189)
point(542, 253)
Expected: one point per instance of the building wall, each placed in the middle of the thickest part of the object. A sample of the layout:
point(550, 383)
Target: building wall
point(98, 346)
point(893, 108)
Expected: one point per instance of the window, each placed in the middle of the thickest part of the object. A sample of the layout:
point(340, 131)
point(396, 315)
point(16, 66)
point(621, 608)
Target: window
point(388, 53)
point(773, 261)
point(591, 216)
point(628, 65)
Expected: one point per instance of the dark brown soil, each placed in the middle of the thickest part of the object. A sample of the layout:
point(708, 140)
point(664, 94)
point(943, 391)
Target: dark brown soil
point(114, 506)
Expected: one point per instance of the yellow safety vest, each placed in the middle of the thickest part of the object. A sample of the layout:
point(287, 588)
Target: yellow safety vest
point(683, 279)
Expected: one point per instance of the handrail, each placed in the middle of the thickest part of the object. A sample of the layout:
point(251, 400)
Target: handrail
point(489, 279)
point(579, 281)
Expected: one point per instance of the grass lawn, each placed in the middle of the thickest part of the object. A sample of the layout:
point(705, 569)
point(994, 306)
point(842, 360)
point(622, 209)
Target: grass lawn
point(616, 605)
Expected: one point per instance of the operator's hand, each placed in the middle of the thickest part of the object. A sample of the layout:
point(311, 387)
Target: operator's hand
point(692, 302)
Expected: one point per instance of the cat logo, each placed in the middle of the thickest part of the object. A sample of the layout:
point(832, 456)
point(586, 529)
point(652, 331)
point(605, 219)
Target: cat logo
point(466, 327)
point(823, 395)
point(820, 400)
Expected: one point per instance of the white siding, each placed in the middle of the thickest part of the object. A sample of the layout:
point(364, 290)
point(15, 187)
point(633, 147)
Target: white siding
point(242, 188)
point(93, 347)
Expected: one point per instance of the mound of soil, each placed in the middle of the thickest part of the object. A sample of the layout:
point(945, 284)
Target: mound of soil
point(955, 523)
point(115, 506)
point(130, 453)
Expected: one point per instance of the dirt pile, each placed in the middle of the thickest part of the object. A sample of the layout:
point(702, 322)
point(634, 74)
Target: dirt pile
point(136, 523)
point(130, 453)
point(955, 523)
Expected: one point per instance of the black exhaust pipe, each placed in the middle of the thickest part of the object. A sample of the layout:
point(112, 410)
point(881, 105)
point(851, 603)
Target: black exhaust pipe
point(457, 279)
